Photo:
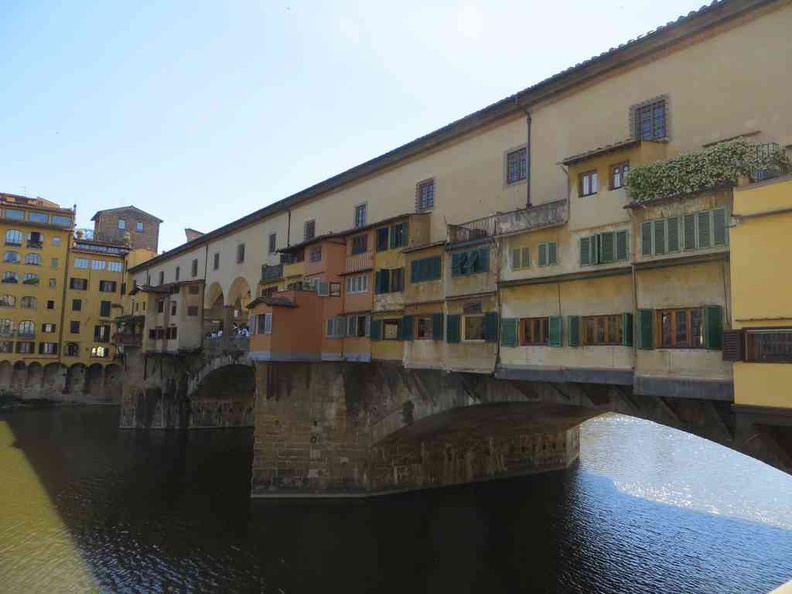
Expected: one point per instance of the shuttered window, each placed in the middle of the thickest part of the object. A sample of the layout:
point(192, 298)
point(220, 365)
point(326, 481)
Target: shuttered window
point(548, 253)
point(438, 321)
point(425, 269)
point(534, 330)
point(470, 262)
point(604, 248)
point(645, 329)
point(452, 328)
point(407, 328)
point(699, 230)
point(573, 331)
point(376, 330)
point(382, 239)
point(520, 258)
point(508, 335)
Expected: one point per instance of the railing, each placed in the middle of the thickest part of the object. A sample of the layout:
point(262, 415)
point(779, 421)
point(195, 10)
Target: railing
point(35, 244)
point(357, 262)
point(765, 154)
point(128, 339)
point(227, 344)
point(524, 219)
point(271, 273)
point(292, 258)
point(26, 333)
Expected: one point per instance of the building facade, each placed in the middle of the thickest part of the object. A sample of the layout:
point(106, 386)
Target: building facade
point(127, 223)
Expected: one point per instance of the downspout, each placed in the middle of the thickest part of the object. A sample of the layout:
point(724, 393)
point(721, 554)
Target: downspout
point(288, 227)
point(63, 291)
point(203, 292)
point(527, 152)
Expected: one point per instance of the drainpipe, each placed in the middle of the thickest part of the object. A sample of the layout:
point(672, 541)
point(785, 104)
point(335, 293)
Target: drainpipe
point(527, 152)
point(70, 237)
point(288, 227)
point(203, 293)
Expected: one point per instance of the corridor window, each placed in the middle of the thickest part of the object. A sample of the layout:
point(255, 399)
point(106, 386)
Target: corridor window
point(240, 253)
point(769, 345)
point(194, 268)
point(273, 243)
point(588, 183)
point(216, 261)
point(357, 326)
point(618, 174)
point(360, 215)
point(534, 330)
point(602, 330)
point(309, 230)
point(474, 327)
point(357, 284)
point(516, 166)
point(425, 195)
point(100, 352)
point(81, 263)
point(650, 120)
point(359, 244)
point(264, 323)
point(48, 348)
point(315, 254)
point(681, 328)
point(25, 348)
point(38, 217)
point(12, 213)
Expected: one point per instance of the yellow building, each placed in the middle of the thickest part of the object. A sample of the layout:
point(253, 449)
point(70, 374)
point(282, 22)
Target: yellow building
point(761, 343)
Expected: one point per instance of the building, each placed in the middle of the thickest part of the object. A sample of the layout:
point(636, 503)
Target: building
point(116, 224)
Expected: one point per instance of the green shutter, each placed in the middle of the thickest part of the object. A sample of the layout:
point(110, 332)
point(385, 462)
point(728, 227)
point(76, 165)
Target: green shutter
point(659, 237)
point(703, 220)
point(375, 330)
point(516, 258)
point(585, 251)
point(437, 326)
point(452, 328)
point(690, 231)
point(456, 264)
point(470, 262)
point(552, 253)
point(377, 281)
point(672, 233)
point(491, 327)
point(483, 260)
point(713, 327)
point(622, 251)
point(542, 254)
point(435, 268)
point(627, 329)
point(508, 332)
point(554, 331)
point(406, 328)
point(382, 239)
point(594, 249)
point(719, 226)
point(385, 280)
point(573, 331)
point(646, 238)
point(607, 247)
point(645, 329)
point(414, 271)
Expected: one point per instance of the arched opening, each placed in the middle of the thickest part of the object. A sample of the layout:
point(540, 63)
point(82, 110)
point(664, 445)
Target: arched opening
point(93, 380)
point(75, 380)
point(216, 315)
point(19, 377)
point(113, 380)
point(52, 375)
point(35, 376)
point(238, 297)
point(6, 371)
point(224, 398)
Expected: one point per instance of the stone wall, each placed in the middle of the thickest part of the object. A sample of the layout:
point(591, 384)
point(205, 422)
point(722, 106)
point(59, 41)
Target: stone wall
point(61, 383)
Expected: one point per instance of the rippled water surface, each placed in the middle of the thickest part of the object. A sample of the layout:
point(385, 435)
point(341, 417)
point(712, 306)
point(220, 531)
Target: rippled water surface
point(84, 506)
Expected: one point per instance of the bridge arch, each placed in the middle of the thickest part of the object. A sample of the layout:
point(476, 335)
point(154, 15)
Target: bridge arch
point(222, 394)
point(215, 297)
point(239, 297)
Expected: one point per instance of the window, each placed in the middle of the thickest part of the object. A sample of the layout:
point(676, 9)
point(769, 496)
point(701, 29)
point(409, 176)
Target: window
point(194, 268)
point(604, 248)
point(6, 327)
point(474, 327)
point(98, 264)
point(681, 328)
point(12, 213)
point(273, 243)
point(81, 263)
point(520, 258)
point(697, 230)
point(35, 240)
point(13, 237)
point(357, 284)
point(315, 254)
point(50, 304)
point(115, 266)
point(650, 120)
point(240, 253)
point(28, 302)
point(424, 195)
point(76, 304)
point(335, 289)
point(548, 253)
point(102, 333)
point(398, 235)
point(33, 259)
point(38, 217)
point(360, 215)
point(173, 308)
point(160, 305)
point(48, 328)
point(264, 323)
point(470, 262)
point(534, 330)
point(171, 332)
point(618, 173)
point(78, 284)
point(336, 327)
point(588, 183)
point(7, 301)
point(25, 348)
point(161, 277)
point(309, 230)
point(177, 274)
point(602, 330)
point(770, 345)
point(107, 286)
point(60, 222)
point(389, 280)
point(53, 262)
point(122, 224)
point(30, 278)
point(192, 311)
point(359, 244)
point(26, 328)
point(10, 277)
point(72, 349)
point(516, 165)
point(74, 327)
point(140, 227)
point(100, 352)
point(11, 257)
point(425, 269)
point(53, 283)
point(382, 239)
point(216, 261)
point(6, 346)
point(194, 290)
point(48, 348)
point(104, 309)
point(357, 326)
point(424, 328)
point(390, 329)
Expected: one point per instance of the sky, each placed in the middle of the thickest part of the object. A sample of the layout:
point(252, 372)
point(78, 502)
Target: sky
point(200, 112)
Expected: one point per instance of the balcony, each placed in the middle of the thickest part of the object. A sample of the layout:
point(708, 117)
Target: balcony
point(35, 244)
point(128, 339)
point(227, 345)
point(272, 273)
point(356, 262)
point(540, 216)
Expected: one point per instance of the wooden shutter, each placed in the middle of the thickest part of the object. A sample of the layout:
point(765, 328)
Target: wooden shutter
point(436, 268)
point(689, 225)
point(573, 331)
point(526, 257)
point(470, 262)
point(376, 330)
point(382, 239)
point(508, 332)
point(713, 327)
point(719, 226)
point(622, 249)
point(552, 253)
point(456, 264)
point(554, 331)
point(627, 329)
point(585, 252)
point(483, 260)
point(491, 327)
point(703, 223)
point(377, 281)
point(607, 247)
point(437, 326)
point(406, 328)
point(385, 275)
point(733, 345)
point(542, 254)
point(516, 258)
point(672, 234)
point(659, 237)
point(414, 270)
point(645, 330)
point(452, 328)
point(646, 238)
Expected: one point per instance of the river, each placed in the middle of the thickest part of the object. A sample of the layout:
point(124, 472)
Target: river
point(86, 507)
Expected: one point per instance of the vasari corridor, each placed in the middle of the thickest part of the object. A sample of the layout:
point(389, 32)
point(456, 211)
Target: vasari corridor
point(521, 323)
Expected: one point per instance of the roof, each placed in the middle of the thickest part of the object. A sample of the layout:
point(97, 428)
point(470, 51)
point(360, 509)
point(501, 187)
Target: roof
point(127, 208)
point(273, 301)
point(608, 148)
point(164, 288)
point(38, 203)
point(672, 33)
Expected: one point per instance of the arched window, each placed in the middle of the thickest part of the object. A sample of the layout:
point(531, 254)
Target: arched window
point(7, 301)
point(26, 328)
point(10, 277)
point(11, 257)
point(28, 303)
point(30, 278)
point(72, 349)
point(33, 259)
point(6, 327)
point(35, 240)
point(13, 237)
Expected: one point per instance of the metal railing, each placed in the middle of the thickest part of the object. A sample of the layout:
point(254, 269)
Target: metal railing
point(524, 219)
point(227, 344)
point(271, 273)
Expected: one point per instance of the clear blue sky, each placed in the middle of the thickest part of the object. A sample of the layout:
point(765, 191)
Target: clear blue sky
point(201, 112)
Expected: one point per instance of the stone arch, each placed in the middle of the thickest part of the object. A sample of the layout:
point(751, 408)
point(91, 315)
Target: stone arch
point(19, 377)
point(6, 371)
point(35, 376)
point(93, 380)
point(52, 377)
point(239, 296)
point(113, 381)
point(215, 297)
point(224, 396)
point(75, 380)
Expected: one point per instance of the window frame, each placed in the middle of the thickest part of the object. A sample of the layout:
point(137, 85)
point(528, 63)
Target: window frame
point(607, 320)
point(425, 195)
point(315, 254)
point(655, 106)
point(359, 244)
point(121, 224)
point(425, 323)
point(272, 243)
point(464, 329)
point(592, 175)
point(357, 284)
point(673, 313)
point(527, 331)
point(309, 229)
point(623, 168)
point(140, 227)
point(360, 215)
point(750, 335)
point(520, 166)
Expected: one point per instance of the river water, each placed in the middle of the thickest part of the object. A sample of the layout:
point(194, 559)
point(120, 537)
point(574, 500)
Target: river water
point(86, 507)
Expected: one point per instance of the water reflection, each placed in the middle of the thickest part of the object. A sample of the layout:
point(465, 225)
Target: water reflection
point(158, 511)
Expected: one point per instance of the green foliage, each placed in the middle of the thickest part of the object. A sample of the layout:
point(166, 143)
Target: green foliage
point(719, 165)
